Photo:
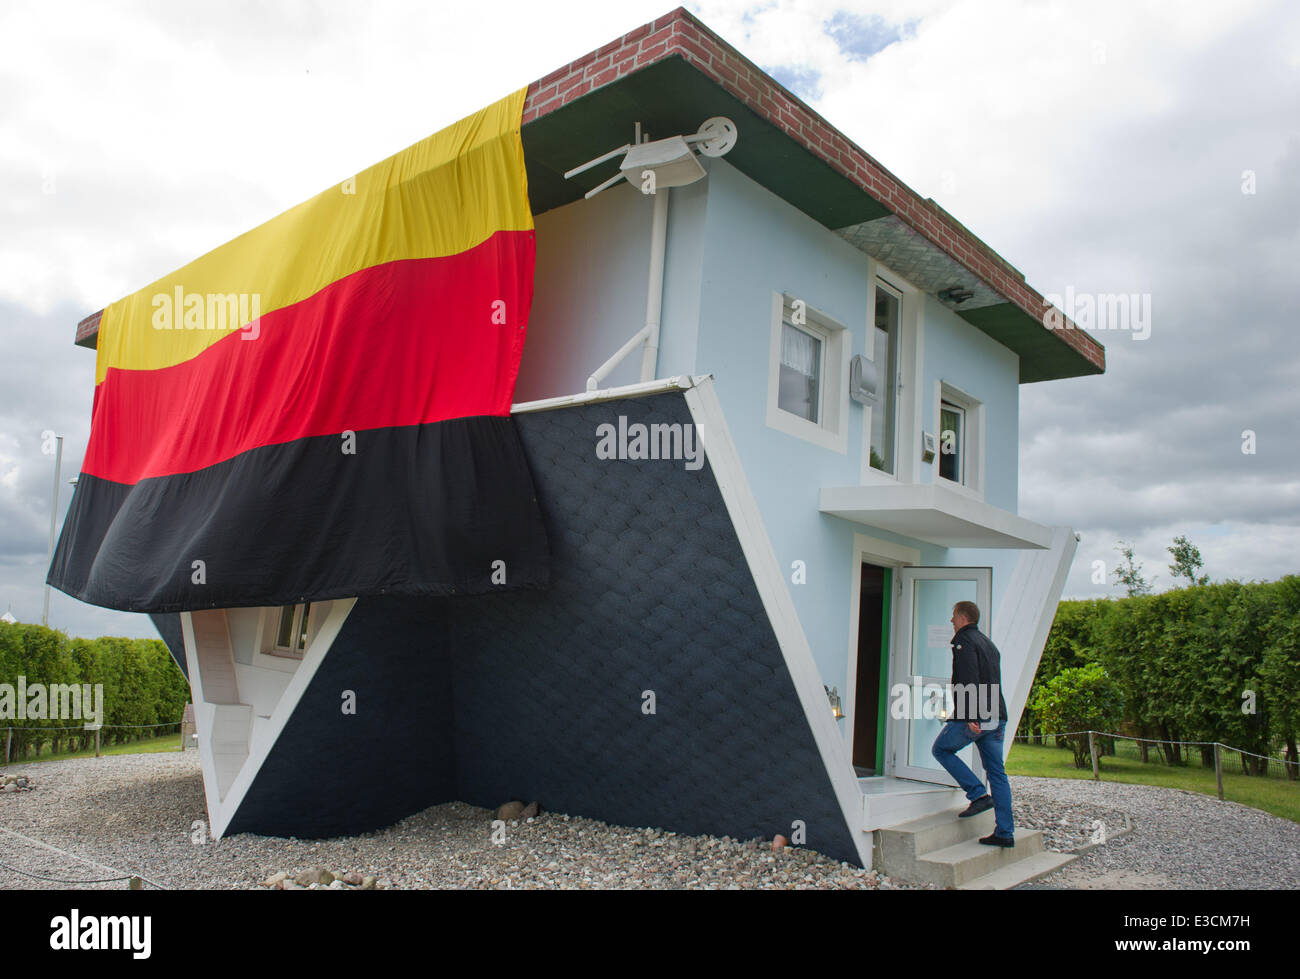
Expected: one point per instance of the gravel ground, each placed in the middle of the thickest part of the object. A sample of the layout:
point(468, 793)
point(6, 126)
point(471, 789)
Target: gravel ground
point(135, 814)
point(1180, 840)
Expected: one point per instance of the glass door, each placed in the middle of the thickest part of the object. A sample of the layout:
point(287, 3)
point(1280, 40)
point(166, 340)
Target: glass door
point(922, 662)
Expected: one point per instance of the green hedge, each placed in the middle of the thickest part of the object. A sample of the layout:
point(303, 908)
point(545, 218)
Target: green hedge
point(1216, 662)
point(142, 685)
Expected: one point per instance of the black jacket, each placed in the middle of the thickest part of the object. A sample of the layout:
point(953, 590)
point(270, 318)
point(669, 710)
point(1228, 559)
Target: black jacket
point(976, 666)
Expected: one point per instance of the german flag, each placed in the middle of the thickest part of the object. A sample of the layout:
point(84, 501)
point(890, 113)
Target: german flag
point(321, 407)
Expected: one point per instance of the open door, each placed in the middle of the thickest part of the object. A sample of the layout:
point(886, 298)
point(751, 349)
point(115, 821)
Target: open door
point(923, 659)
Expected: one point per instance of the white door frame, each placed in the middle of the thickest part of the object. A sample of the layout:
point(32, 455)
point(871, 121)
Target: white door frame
point(901, 658)
point(885, 554)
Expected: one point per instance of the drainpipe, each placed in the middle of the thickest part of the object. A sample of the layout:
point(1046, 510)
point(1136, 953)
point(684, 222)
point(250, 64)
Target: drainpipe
point(648, 334)
point(655, 296)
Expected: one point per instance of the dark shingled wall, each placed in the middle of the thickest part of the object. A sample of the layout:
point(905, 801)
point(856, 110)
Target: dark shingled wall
point(538, 694)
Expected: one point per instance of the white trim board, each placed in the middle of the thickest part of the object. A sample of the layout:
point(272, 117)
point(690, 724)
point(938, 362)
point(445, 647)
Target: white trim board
point(1025, 617)
point(641, 390)
point(706, 411)
point(934, 514)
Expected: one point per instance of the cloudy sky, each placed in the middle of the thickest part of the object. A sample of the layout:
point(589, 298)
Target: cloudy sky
point(1106, 148)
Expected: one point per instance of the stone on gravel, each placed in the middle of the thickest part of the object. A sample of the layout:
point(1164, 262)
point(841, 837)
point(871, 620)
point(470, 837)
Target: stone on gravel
point(316, 875)
point(510, 811)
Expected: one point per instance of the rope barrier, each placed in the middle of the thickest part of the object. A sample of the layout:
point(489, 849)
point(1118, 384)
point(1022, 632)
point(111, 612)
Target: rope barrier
point(102, 727)
point(1127, 737)
point(63, 880)
point(72, 856)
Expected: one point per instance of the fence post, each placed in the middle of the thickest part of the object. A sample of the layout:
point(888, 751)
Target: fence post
point(1092, 747)
point(9, 736)
point(1218, 770)
point(96, 740)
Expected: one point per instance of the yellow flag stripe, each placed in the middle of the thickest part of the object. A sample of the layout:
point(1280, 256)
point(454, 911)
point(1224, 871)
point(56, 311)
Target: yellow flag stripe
point(442, 196)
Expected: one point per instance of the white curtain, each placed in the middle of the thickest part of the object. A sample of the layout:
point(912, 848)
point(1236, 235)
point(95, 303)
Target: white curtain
point(799, 351)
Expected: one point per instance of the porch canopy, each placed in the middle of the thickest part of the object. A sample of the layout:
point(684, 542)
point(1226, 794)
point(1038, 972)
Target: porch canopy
point(934, 514)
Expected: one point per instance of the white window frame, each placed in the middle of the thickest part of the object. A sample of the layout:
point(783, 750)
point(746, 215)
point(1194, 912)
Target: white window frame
point(267, 654)
point(972, 483)
point(823, 338)
point(907, 407)
point(830, 431)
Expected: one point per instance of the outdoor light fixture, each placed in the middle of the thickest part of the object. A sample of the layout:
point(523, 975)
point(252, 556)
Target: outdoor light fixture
point(672, 161)
point(955, 295)
point(833, 695)
point(653, 167)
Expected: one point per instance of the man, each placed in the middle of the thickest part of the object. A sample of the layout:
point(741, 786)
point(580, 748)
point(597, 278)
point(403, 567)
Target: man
point(976, 680)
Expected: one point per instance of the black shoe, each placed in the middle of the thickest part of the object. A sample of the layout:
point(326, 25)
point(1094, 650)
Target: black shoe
point(982, 804)
point(992, 840)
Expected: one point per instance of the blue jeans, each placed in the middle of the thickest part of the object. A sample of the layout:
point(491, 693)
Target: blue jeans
point(955, 736)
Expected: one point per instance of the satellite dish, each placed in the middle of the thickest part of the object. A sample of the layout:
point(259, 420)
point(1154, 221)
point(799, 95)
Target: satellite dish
point(716, 136)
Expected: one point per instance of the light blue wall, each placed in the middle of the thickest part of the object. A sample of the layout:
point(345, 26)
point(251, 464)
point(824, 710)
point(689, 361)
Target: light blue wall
point(960, 355)
point(589, 292)
point(754, 244)
point(731, 244)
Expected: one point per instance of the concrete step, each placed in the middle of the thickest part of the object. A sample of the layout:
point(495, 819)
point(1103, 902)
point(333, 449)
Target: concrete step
point(880, 810)
point(913, 839)
point(962, 862)
point(944, 850)
point(1020, 872)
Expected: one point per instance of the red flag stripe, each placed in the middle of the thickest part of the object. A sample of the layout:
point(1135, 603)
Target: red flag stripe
point(357, 355)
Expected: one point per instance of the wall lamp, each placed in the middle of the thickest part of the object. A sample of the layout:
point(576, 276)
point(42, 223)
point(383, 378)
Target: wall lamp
point(955, 294)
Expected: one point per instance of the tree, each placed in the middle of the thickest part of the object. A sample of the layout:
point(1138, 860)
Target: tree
point(1129, 574)
point(1077, 700)
point(1187, 561)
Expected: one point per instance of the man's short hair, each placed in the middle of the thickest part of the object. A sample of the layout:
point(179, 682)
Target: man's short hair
point(969, 610)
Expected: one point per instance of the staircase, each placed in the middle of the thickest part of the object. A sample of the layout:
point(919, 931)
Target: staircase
point(943, 850)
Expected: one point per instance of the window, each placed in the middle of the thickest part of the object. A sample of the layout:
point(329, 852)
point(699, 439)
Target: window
point(284, 634)
point(952, 441)
point(801, 371)
point(291, 635)
point(961, 439)
point(884, 414)
point(808, 367)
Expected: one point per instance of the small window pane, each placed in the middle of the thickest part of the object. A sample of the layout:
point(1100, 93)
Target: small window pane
point(284, 635)
point(302, 629)
point(799, 382)
point(885, 355)
point(952, 441)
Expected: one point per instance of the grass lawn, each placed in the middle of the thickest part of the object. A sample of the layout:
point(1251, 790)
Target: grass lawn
point(1273, 793)
point(165, 742)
